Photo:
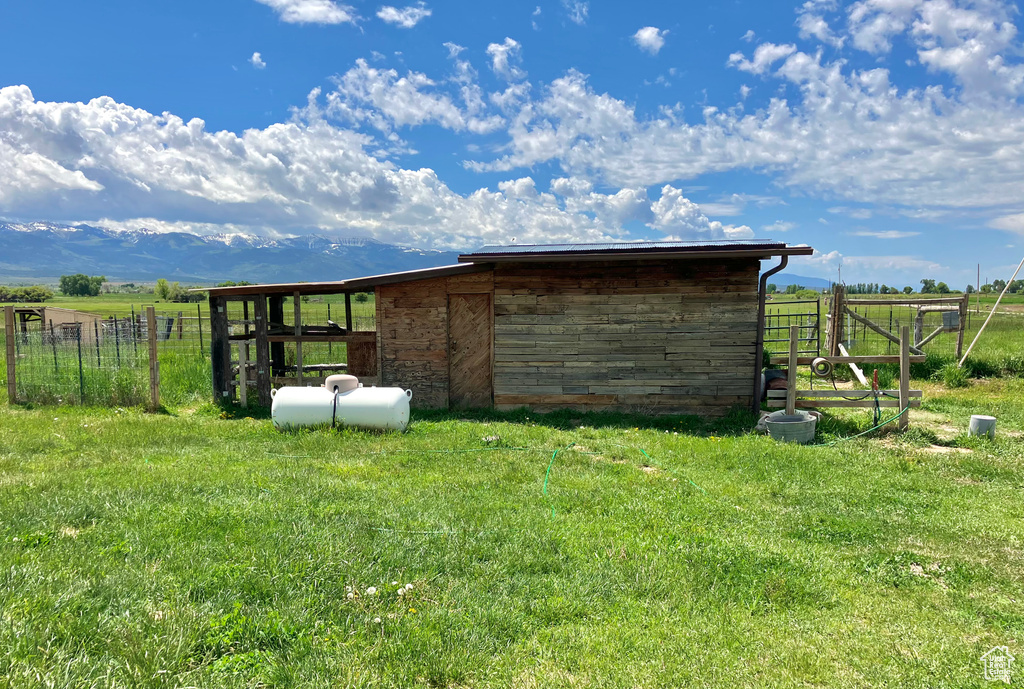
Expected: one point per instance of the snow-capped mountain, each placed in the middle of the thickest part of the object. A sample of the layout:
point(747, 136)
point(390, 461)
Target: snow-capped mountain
point(48, 250)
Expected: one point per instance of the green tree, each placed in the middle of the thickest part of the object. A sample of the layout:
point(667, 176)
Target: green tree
point(81, 285)
point(908, 290)
point(970, 289)
point(942, 288)
point(363, 297)
point(986, 289)
point(927, 286)
point(998, 285)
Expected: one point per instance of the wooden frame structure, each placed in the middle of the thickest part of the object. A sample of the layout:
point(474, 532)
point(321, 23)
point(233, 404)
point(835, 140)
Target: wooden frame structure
point(839, 311)
point(903, 398)
point(667, 327)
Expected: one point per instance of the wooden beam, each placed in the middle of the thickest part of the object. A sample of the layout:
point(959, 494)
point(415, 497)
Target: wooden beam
point(263, 372)
point(881, 331)
point(348, 312)
point(902, 302)
point(904, 420)
point(794, 341)
point(865, 404)
point(362, 336)
point(867, 359)
point(12, 384)
point(860, 394)
point(853, 366)
point(220, 350)
point(243, 366)
point(931, 337)
point(154, 360)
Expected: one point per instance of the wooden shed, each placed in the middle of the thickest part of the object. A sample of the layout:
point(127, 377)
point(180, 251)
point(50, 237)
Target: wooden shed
point(660, 327)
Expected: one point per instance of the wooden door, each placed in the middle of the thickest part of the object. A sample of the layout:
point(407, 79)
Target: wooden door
point(469, 350)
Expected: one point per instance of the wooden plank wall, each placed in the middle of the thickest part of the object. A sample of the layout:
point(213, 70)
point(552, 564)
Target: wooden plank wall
point(412, 322)
point(664, 337)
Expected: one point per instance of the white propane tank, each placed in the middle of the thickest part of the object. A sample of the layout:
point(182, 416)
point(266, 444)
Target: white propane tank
point(376, 408)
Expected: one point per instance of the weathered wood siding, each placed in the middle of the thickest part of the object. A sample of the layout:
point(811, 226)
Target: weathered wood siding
point(412, 322)
point(669, 337)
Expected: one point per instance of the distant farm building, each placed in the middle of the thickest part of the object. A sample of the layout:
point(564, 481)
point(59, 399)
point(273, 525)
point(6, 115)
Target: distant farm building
point(63, 323)
point(663, 327)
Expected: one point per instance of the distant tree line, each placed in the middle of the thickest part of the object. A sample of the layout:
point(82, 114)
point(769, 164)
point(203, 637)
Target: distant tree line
point(81, 285)
point(24, 295)
point(1016, 287)
point(173, 291)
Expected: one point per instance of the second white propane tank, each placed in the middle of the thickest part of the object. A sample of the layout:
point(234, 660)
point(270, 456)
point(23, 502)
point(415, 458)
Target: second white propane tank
point(377, 408)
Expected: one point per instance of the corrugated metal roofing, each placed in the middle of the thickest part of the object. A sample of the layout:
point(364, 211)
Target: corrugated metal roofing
point(626, 246)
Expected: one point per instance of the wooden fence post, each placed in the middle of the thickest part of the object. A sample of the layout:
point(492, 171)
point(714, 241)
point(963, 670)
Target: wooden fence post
point(181, 329)
point(963, 311)
point(12, 385)
point(297, 298)
point(154, 360)
point(794, 337)
point(904, 421)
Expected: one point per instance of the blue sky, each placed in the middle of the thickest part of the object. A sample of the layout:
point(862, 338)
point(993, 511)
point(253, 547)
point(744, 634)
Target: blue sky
point(888, 134)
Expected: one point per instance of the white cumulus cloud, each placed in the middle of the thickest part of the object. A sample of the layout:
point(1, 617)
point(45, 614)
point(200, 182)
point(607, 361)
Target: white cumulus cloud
point(577, 11)
point(650, 39)
point(312, 11)
point(506, 58)
point(765, 55)
point(257, 61)
point(406, 17)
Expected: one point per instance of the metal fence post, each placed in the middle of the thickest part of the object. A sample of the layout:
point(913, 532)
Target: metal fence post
point(199, 313)
point(81, 371)
point(12, 385)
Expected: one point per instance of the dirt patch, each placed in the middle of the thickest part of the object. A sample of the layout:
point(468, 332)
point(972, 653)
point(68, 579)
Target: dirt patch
point(943, 450)
point(649, 469)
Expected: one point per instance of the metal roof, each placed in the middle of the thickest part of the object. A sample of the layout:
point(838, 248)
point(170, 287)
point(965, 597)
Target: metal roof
point(342, 286)
point(598, 251)
point(483, 259)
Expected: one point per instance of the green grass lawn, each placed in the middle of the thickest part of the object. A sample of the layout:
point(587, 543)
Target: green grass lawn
point(189, 549)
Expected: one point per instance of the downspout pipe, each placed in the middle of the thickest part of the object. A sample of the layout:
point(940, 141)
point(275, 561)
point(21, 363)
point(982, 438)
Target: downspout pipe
point(755, 405)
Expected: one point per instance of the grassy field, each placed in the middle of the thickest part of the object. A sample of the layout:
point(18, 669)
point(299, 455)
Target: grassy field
point(202, 548)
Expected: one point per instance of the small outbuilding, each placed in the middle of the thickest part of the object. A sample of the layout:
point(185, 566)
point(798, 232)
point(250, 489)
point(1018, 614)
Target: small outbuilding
point(65, 323)
point(658, 327)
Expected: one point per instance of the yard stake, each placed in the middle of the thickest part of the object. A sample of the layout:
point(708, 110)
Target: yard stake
point(12, 386)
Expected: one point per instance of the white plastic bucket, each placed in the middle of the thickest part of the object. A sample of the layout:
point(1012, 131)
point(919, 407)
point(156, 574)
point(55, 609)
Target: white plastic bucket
point(375, 408)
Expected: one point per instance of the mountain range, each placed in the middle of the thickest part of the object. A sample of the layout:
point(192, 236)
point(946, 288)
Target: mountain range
point(38, 250)
point(43, 251)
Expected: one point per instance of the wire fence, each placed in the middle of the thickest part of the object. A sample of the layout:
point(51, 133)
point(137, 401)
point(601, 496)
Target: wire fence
point(81, 363)
point(805, 313)
point(107, 361)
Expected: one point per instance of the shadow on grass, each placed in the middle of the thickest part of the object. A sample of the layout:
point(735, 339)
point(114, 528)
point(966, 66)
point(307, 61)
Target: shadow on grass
point(737, 422)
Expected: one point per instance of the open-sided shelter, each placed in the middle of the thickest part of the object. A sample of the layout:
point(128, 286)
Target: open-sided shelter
point(663, 327)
